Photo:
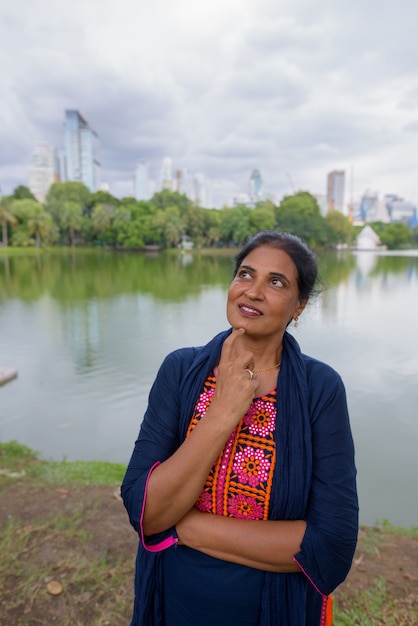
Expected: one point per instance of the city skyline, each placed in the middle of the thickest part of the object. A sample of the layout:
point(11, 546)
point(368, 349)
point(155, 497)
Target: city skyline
point(292, 89)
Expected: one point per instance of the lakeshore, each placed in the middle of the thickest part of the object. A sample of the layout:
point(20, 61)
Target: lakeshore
point(68, 551)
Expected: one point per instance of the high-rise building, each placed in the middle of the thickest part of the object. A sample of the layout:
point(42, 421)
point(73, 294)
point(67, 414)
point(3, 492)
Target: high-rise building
point(167, 181)
point(81, 151)
point(141, 182)
point(335, 191)
point(43, 170)
point(255, 190)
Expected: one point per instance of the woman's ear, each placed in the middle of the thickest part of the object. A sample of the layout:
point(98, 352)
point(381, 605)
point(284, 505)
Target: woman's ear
point(300, 307)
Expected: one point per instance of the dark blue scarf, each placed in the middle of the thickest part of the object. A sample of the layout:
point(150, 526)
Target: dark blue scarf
point(285, 596)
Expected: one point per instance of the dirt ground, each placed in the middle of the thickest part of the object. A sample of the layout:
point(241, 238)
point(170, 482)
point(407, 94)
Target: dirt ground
point(392, 557)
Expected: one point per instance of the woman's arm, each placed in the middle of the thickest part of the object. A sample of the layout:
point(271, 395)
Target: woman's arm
point(332, 517)
point(175, 484)
point(266, 545)
point(323, 544)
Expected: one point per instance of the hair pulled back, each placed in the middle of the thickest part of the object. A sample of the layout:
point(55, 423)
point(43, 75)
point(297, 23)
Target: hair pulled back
point(302, 256)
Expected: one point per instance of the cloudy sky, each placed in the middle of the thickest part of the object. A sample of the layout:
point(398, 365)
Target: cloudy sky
point(295, 88)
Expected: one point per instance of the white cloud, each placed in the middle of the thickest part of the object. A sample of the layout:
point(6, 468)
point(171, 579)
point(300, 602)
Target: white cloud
point(294, 88)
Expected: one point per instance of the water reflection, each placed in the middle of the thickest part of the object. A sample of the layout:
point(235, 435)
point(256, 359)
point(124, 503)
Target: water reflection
point(72, 276)
point(87, 331)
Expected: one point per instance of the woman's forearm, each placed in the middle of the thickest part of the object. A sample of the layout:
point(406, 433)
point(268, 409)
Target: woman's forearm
point(268, 545)
point(175, 485)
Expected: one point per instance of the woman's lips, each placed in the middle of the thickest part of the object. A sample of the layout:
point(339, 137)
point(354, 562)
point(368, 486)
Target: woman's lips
point(248, 310)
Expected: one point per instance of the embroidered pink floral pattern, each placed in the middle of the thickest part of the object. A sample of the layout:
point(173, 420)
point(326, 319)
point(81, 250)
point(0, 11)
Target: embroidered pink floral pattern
point(204, 502)
point(251, 466)
point(204, 400)
point(261, 418)
point(240, 481)
point(244, 507)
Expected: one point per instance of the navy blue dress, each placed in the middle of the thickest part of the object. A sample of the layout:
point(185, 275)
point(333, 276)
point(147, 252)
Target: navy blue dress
point(200, 590)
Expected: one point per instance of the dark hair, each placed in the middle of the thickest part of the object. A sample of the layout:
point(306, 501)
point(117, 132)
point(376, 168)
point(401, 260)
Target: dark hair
point(302, 256)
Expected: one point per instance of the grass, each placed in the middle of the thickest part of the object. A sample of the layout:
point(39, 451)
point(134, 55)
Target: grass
point(54, 549)
point(65, 545)
point(18, 459)
point(368, 607)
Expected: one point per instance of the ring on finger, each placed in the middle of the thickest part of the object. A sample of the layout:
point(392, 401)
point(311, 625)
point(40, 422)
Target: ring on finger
point(251, 373)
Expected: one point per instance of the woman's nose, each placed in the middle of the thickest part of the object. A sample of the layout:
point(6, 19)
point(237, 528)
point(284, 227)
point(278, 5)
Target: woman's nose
point(254, 292)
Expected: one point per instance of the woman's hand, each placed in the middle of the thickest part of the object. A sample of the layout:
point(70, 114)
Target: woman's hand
point(234, 389)
point(175, 485)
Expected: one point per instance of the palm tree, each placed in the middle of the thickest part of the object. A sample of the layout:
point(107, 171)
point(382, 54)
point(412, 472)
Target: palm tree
point(7, 217)
point(71, 218)
point(39, 223)
point(101, 217)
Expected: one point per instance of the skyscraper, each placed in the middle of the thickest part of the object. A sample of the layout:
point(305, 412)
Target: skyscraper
point(167, 181)
point(141, 182)
point(43, 170)
point(255, 187)
point(81, 151)
point(335, 191)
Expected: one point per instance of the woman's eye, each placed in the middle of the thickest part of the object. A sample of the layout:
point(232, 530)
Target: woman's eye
point(276, 282)
point(244, 274)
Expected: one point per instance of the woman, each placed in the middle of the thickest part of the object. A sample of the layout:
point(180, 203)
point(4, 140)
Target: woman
point(242, 481)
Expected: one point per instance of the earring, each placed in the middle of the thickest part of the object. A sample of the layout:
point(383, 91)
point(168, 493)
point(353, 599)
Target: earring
point(296, 321)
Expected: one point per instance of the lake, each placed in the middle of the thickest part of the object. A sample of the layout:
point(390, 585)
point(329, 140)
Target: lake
point(88, 329)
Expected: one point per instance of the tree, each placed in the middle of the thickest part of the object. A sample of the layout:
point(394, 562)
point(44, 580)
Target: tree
point(101, 218)
point(165, 199)
point(341, 225)
point(60, 193)
point(235, 224)
point(301, 202)
point(7, 217)
point(395, 235)
point(170, 225)
point(100, 197)
point(23, 193)
point(300, 214)
point(262, 219)
point(33, 221)
point(39, 223)
point(71, 219)
point(211, 228)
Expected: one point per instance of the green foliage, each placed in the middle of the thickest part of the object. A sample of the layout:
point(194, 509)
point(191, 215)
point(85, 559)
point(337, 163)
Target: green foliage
point(70, 218)
point(23, 193)
point(60, 193)
point(34, 223)
point(394, 236)
point(101, 219)
point(301, 202)
point(262, 218)
point(170, 225)
point(368, 608)
point(7, 219)
point(65, 473)
point(21, 237)
point(100, 197)
point(235, 225)
point(341, 225)
point(15, 456)
point(386, 527)
point(164, 199)
point(15, 451)
point(313, 229)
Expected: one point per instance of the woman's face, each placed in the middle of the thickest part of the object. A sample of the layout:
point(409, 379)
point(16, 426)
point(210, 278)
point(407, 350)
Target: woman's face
point(263, 296)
